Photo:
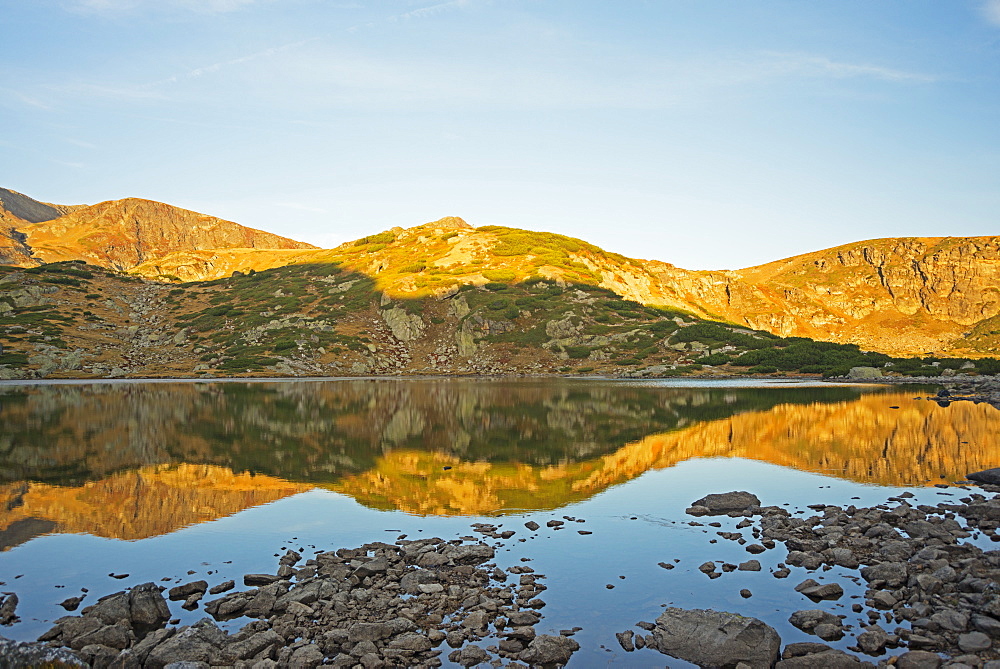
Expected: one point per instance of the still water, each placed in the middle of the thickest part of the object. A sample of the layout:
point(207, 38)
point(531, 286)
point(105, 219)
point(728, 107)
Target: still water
point(156, 480)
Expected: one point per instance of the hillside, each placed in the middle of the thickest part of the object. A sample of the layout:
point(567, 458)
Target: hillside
point(900, 297)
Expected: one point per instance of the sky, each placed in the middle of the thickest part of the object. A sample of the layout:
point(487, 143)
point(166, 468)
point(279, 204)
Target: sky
point(710, 134)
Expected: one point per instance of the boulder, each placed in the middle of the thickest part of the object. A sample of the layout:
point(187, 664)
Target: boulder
point(864, 373)
point(547, 650)
point(723, 503)
point(715, 638)
point(33, 654)
point(990, 476)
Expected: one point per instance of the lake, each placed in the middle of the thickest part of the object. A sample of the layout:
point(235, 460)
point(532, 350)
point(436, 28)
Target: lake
point(178, 481)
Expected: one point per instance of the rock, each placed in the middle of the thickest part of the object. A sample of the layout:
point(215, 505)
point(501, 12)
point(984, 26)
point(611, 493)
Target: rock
point(828, 659)
point(990, 476)
point(532, 525)
point(16, 654)
point(72, 603)
point(259, 579)
point(809, 619)
point(918, 659)
point(829, 632)
point(545, 650)
point(8, 604)
point(749, 565)
point(864, 373)
point(892, 574)
point(469, 656)
point(186, 590)
point(873, 640)
point(974, 642)
point(225, 586)
point(821, 591)
point(714, 638)
point(198, 643)
point(723, 503)
point(307, 657)
point(625, 640)
point(404, 325)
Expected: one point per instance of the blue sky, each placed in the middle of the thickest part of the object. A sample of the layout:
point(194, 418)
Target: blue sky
point(708, 134)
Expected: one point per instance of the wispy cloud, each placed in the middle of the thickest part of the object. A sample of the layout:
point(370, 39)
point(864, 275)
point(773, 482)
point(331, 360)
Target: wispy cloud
point(820, 66)
point(221, 65)
point(991, 11)
point(431, 10)
point(27, 100)
point(120, 6)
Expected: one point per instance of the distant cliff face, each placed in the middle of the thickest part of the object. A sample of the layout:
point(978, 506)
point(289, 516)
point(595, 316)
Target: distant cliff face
point(124, 233)
point(906, 295)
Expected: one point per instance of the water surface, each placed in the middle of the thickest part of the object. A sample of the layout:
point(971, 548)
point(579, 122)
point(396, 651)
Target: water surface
point(156, 479)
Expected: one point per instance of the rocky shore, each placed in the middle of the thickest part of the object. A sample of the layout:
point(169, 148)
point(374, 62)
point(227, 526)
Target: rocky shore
point(961, 388)
point(930, 599)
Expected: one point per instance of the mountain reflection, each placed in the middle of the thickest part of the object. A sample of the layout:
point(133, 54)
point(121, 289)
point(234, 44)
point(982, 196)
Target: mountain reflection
point(137, 460)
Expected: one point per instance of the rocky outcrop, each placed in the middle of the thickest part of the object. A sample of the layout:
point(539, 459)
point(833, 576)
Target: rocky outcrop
point(404, 325)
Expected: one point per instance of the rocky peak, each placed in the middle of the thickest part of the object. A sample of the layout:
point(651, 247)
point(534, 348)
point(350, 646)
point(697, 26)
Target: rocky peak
point(29, 210)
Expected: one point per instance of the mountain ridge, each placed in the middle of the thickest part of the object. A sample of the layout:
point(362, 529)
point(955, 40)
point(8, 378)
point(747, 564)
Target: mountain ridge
point(910, 295)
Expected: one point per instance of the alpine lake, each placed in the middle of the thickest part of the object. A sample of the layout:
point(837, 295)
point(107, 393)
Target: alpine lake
point(112, 484)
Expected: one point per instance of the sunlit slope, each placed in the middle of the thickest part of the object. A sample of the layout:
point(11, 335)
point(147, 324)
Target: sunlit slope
point(122, 234)
point(901, 296)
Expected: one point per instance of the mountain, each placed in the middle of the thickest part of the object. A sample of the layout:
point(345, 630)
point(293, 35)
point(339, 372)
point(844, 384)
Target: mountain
point(907, 296)
point(122, 234)
point(17, 211)
point(901, 297)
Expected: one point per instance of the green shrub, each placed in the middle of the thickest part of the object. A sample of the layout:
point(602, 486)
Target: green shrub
point(380, 238)
point(413, 268)
point(577, 352)
point(500, 275)
point(713, 359)
point(763, 369)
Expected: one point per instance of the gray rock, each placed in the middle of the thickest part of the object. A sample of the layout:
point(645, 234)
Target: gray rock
point(990, 476)
point(864, 373)
point(16, 654)
point(198, 643)
point(626, 640)
point(828, 659)
point(918, 659)
point(187, 589)
point(147, 608)
point(974, 642)
point(254, 645)
point(749, 565)
point(469, 656)
point(829, 632)
point(307, 657)
point(548, 650)
point(808, 619)
point(715, 638)
point(723, 503)
point(893, 574)
point(225, 586)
